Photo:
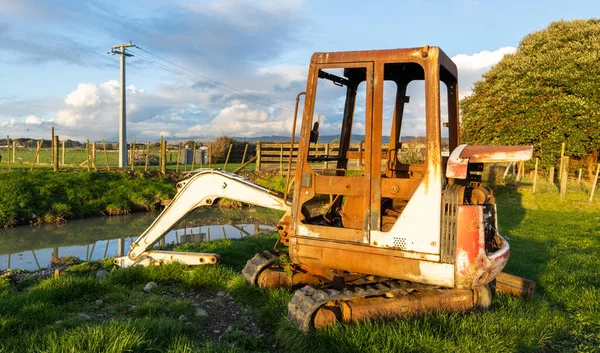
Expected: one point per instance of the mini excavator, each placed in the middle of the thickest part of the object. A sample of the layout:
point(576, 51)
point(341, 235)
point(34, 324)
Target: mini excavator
point(371, 231)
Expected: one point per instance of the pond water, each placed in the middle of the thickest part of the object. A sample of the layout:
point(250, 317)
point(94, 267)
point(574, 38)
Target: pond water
point(32, 247)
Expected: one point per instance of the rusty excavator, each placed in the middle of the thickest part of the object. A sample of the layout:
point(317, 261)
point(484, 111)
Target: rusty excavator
point(371, 232)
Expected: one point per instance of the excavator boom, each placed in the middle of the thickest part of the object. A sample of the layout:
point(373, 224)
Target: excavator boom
point(202, 189)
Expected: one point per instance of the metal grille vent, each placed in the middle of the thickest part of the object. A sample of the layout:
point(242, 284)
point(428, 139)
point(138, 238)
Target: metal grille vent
point(400, 242)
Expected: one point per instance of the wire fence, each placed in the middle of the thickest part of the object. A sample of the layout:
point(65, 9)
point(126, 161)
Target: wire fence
point(44, 154)
point(232, 155)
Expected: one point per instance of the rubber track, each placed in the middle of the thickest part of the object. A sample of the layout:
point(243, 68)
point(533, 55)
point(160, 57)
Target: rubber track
point(307, 300)
point(256, 264)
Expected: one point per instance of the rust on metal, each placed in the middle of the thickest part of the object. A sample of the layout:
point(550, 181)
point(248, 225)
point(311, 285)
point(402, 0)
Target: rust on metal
point(412, 304)
point(277, 278)
point(289, 169)
point(515, 286)
point(486, 154)
point(459, 160)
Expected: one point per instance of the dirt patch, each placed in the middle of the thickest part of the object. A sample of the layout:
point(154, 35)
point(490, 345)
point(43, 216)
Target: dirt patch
point(224, 315)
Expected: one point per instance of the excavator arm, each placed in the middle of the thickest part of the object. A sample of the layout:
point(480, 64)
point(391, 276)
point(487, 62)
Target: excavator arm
point(202, 189)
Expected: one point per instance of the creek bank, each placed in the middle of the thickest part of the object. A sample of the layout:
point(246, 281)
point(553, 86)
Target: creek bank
point(39, 197)
point(43, 197)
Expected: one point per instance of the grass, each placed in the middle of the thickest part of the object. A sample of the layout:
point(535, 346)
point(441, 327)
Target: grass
point(40, 197)
point(74, 157)
point(554, 242)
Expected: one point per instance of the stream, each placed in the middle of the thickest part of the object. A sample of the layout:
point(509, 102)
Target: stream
point(33, 247)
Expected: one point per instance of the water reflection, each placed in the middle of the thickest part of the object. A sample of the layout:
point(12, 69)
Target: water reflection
point(32, 248)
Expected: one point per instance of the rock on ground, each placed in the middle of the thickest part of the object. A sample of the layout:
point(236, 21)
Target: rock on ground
point(201, 312)
point(150, 286)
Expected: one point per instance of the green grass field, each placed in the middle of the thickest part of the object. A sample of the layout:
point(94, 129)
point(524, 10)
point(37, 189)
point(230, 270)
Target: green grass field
point(75, 159)
point(554, 242)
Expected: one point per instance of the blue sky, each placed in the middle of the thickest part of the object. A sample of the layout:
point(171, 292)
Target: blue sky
point(55, 70)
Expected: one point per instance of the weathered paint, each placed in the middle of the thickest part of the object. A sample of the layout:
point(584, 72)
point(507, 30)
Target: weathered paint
point(157, 257)
point(463, 155)
point(203, 189)
point(473, 267)
point(418, 223)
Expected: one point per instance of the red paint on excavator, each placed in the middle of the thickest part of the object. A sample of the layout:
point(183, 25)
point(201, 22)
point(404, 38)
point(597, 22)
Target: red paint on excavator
point(473, 267)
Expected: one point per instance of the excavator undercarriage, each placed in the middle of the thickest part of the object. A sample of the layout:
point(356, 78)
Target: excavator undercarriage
point(371, 231)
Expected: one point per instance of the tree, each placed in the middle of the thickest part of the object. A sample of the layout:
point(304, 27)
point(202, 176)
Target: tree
point(546, 93)
point(220, 146)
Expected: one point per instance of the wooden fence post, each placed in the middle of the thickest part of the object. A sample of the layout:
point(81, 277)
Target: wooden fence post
point(579, 176)
point(14, 151)
point(281, 161)
point(551, 175)
point(94, 156)
point(522, 170)
point(564, 177)
point(562, 156)
point(55, 153)
point(244, 156)
point(147, 156)
point(160, 154)
point(8, 151)
point(326, 154)
point(258, 148)
point(52, 145)
point(535, 175)
point(594, 183)
point(227, 159)
point(163, 154)
point(194, 156)
point(178, 157)
point(63, 153)
point(105, 155)
point(241, 167)
point(133, 154)
point(37, 153)
point(87, 154)
point(507, 170)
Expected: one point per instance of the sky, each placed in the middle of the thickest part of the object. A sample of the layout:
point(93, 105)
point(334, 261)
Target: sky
point(228, 67)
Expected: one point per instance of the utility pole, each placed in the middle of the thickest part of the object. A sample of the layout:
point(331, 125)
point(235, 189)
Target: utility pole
point(121, 50)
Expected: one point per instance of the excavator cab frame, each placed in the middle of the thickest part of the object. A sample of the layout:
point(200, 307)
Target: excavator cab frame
point(386, 191)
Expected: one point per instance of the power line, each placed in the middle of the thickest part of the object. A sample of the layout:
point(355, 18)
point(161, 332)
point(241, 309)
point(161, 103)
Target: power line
point(213, 84)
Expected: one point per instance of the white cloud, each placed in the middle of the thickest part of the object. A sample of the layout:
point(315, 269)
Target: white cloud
point(482, 60)
point(33, 120)
point(182, 111)
point(238, 119)
point(472, 67)
point(96, 106)
point(286, 72)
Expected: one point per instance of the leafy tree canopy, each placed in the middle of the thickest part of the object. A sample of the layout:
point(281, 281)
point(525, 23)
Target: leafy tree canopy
point(546, 93)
